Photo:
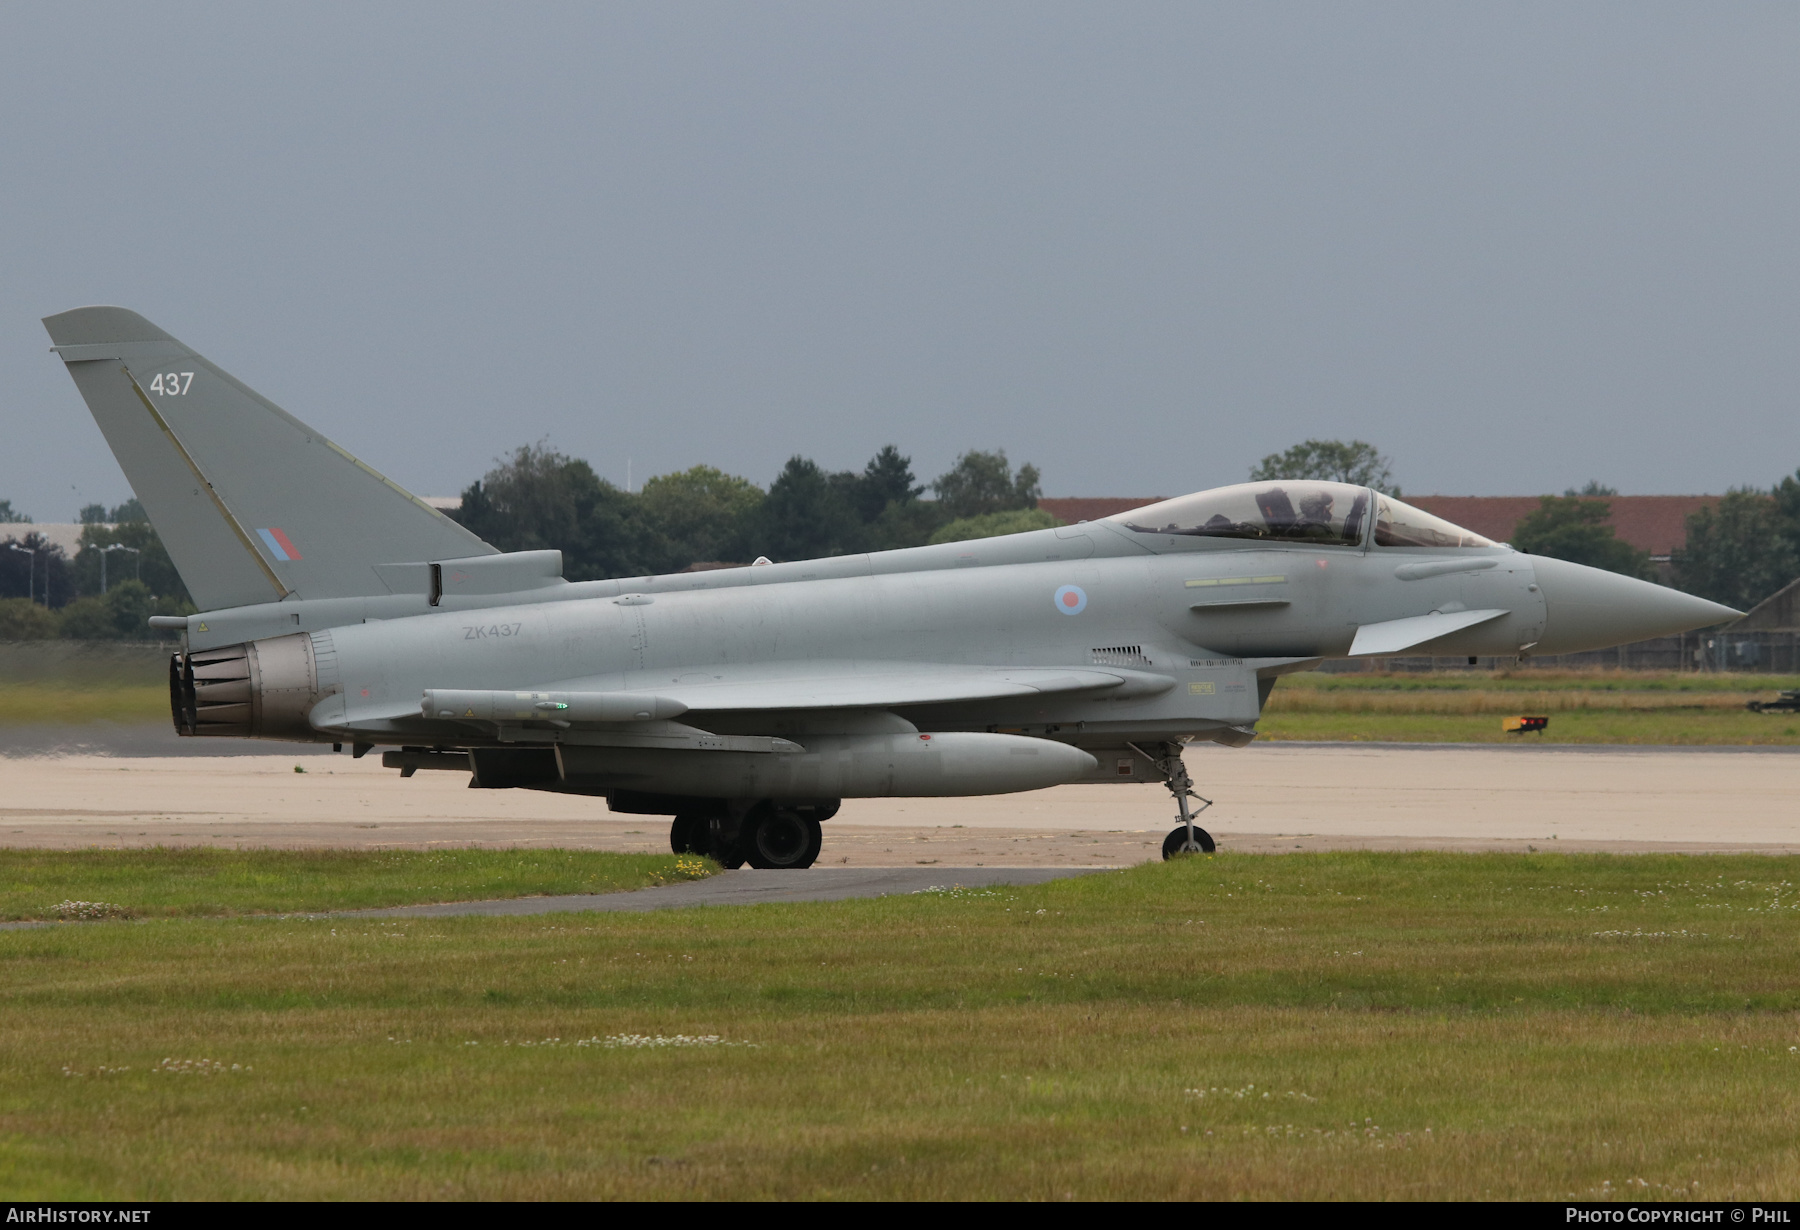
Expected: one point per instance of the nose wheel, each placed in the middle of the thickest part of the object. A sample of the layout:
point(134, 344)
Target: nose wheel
point(1179, 841)
point(1187, 837)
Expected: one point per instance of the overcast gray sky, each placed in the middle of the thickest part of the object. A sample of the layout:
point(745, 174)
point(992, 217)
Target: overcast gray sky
point(1515, 245)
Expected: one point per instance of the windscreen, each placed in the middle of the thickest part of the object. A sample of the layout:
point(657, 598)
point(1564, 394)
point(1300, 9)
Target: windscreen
point(1325, 514)
point(1399, 524)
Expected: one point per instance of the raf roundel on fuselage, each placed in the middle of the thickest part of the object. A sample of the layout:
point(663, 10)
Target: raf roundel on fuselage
point(1303, 512)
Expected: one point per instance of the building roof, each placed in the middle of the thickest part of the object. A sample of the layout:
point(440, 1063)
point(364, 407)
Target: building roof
point(60, 534)
point(1653, 523)
point(1070, 509)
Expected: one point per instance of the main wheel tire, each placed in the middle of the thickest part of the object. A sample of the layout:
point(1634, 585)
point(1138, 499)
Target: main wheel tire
point(777, 839)
point(687, 835)
point(1177, 842)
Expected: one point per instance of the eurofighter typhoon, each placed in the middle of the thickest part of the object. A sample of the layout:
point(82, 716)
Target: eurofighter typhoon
point(746, 703)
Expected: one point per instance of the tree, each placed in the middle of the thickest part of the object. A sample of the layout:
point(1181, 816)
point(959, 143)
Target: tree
point(1738, 552)
point(806, 514)
point(151, 564)
point(1356, 462)
point(887, 479)
point(541, 499)
point(1593, 487)
point(994, 525)
point(9, 517)
point(982, 483)
point(700, 514)
point(45, 576)
point(1787, 511)
point(909, 524)
point(99, 514)
point(1579, 530)
point(121, 614)
point(25, 621)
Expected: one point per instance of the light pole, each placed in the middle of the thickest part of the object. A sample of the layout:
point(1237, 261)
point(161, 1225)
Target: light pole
point(119, 546)
point(30, 573)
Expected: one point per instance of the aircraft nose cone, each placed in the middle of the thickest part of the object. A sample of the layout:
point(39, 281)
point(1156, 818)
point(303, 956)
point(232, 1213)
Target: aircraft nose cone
point(1590, 608)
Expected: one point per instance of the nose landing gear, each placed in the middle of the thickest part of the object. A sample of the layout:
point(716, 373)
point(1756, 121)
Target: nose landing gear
point(1187, 837)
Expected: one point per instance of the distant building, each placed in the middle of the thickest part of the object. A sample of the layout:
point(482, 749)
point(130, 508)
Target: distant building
point(1070, 509)
point(1779, 612)
point(1653, 523)
point(1767, 638)
point(57, 533)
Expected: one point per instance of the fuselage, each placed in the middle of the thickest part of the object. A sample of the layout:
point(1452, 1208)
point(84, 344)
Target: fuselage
point(1169, 631)
point(1218, 618)
point(1196, 616)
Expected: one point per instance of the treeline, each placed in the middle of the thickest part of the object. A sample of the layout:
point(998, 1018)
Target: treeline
point(119, 577)
point(1738, 551)
point(1744, 548)
point(540, 498)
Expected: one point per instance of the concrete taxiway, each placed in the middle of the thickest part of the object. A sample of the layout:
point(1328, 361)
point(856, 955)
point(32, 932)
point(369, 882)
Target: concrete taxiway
point(1267, 798)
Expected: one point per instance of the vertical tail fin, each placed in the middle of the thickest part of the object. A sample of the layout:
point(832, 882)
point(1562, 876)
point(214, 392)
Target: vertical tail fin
point(252, 504)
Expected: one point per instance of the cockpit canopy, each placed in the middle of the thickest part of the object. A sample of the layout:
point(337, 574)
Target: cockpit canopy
point(1398, 524)
point(1300, 511)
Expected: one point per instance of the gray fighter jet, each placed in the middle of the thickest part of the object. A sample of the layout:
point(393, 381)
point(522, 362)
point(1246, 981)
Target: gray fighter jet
point(747, 703)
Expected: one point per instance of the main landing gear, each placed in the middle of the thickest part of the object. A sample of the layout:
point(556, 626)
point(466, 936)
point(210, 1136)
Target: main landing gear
point(764, 833)
point(1187, 837)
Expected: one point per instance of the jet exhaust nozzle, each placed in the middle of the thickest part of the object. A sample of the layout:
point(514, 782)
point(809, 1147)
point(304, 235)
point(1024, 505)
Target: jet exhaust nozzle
point(258, 690)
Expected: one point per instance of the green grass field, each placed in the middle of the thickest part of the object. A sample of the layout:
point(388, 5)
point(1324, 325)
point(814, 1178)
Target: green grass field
point(58, 704)
point(1332, 1025)
point(1635, 707)
point(200, 881)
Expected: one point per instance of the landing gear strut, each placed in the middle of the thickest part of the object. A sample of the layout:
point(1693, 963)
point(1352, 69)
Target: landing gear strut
point(1187, 837)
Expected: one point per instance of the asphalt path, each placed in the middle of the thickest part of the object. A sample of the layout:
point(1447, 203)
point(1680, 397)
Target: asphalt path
point(746, 887)
point(742, 887)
